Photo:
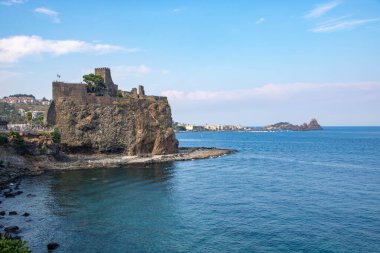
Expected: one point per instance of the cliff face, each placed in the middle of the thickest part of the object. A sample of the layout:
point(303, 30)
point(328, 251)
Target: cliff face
point(129, 125)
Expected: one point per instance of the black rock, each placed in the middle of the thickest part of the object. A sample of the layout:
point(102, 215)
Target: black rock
point(52, 246)
point(19, 192)
point(31, 195)
point(11, 229)
point(13, 213)
point(1, 225)
point(9, 194)
point(2, 213)
point(26, 214)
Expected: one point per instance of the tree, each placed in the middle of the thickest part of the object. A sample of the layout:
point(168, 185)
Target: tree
point(94, 83)
point(29, 116)
point(40, 119)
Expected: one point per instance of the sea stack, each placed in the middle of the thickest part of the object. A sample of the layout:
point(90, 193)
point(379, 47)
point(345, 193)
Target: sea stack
point(286, 126)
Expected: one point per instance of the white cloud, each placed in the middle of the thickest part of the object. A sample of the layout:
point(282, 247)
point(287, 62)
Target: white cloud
point(50, 13)
point(322, 9)
point(13, 2)
point(127, 70)
point(14, 48)
point(178, 10)
point(330, 103)
point(341, 24)
point(271, 92)
point(260, 20)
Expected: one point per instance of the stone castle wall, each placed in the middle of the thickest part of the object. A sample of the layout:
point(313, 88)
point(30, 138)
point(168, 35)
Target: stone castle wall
point(77, 92)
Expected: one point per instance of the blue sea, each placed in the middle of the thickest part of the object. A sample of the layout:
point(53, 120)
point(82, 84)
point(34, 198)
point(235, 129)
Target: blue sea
point(316, 191)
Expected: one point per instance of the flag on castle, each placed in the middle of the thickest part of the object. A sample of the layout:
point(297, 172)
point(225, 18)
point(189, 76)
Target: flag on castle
point(58, 76)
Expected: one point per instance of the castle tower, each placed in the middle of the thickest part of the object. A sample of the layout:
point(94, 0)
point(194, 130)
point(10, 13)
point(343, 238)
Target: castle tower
point(106, 74)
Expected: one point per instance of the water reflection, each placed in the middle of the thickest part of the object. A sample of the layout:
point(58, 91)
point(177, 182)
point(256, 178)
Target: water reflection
point(72, 189)
point(119, 205)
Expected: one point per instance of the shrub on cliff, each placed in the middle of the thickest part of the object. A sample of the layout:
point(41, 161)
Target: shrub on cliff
point(13, 246)
point(55, 136)
point(17, 141)
point(3, 139)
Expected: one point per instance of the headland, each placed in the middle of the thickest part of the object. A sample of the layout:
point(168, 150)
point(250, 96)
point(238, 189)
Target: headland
point(95, 124)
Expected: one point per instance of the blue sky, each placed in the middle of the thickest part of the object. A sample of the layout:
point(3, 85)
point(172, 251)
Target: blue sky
point(227, 62)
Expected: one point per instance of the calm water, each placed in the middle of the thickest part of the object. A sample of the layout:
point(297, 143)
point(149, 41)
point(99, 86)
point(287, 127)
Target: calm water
point(282, 192)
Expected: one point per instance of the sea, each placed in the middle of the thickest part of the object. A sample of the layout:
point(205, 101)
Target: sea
point(315, 191)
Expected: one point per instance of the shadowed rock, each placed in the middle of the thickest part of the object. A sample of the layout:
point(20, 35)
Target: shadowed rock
point(52, 246)
point(11, 229)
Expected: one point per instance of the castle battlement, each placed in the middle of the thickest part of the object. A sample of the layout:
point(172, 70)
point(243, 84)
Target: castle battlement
point(78, 91)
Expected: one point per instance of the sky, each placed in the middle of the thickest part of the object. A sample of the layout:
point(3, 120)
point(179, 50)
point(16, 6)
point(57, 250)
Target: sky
point(218, 61)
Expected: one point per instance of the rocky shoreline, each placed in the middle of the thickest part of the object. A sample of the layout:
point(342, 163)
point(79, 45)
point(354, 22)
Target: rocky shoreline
point(25, 165)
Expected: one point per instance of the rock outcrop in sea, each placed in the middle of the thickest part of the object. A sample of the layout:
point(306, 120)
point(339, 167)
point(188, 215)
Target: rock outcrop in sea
point(286, 126)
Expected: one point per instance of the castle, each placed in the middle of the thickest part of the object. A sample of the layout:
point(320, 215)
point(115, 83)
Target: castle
point(111, 120)
point(78, 92)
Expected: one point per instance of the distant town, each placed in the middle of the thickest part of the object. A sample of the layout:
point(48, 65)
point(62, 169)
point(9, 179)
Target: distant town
point(23, 112)
point(184, 127)
point(281, 126)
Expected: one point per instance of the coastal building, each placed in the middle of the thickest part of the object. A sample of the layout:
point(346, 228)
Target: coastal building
point(44, 101)
point(36, 113)
point(213, 127)
point(19, 99)
point(21, 112)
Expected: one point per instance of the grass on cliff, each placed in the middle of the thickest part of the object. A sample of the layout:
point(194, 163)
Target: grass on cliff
point(18, 142)
point(3, 139)
point(13, 246)
point(55, 136)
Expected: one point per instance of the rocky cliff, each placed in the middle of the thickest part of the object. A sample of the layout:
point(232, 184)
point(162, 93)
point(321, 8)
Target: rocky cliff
point(22, 154)
point(134, 126)
point(286, 126)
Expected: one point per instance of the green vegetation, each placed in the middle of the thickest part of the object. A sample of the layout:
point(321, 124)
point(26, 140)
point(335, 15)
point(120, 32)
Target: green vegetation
point(95, 83)
point(55, 136)
point(29, 116)
point(17, 141)
point(165, 101)
point(11, 113)
point(39, 119)
point(119, 93)
point(21, 95)
point(13, 246)
point(3, 139)
point(176, 127)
